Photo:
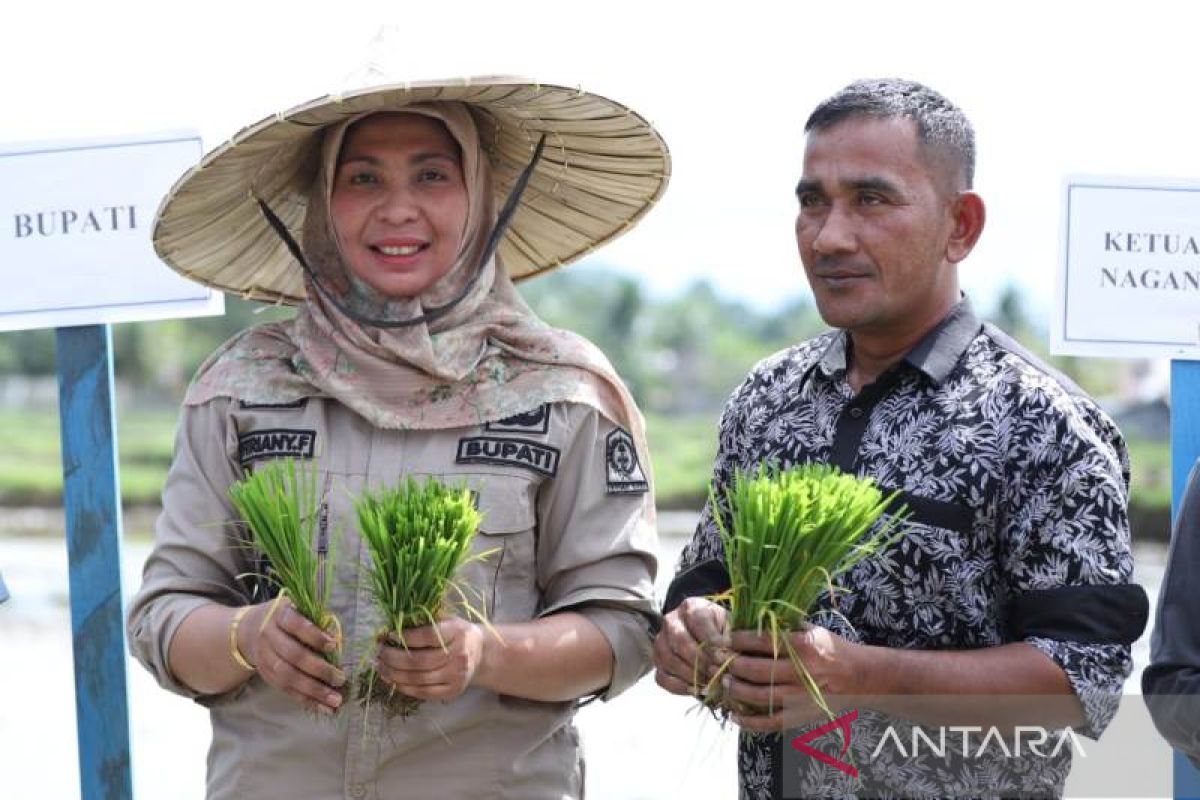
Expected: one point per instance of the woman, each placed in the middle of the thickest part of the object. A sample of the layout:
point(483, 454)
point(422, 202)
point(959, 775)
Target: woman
point(411, 354)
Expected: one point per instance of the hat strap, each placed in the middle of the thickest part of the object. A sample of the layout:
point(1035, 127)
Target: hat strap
point(498, 230)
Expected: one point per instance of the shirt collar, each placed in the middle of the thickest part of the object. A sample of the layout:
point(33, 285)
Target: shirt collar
point(935, 355)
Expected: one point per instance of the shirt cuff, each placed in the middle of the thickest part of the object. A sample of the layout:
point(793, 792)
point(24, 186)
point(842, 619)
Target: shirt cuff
point(1096, 674)
point(150, 643)
point(629, 635)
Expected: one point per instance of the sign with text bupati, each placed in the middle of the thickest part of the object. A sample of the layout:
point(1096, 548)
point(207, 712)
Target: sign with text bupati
point(1129, 277)
point(75, 224)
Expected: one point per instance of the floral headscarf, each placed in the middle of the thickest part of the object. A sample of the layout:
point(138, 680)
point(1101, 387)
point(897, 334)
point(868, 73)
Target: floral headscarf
point(489, 357)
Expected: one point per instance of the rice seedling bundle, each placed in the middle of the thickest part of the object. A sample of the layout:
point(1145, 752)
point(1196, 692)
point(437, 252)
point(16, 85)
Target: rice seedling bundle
point(791, 532)
point(419, 535)
point(280, 503)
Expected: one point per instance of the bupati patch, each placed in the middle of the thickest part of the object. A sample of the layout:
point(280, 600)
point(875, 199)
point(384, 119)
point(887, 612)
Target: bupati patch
point(522, 453)
point(625, 475)
point(535, 421)
point(276, 443)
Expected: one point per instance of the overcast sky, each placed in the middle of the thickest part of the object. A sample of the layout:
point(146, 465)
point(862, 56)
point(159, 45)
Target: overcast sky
point(1053, 88)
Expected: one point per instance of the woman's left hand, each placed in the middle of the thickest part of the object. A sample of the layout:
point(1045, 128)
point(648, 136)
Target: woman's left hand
point(436, 662)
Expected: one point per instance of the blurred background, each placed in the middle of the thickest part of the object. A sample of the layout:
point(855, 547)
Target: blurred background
point(684, 304)
point(681, 354)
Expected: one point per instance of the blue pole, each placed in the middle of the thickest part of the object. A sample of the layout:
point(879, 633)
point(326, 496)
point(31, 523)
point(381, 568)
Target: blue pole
point(91, 499)
point(1185, 449)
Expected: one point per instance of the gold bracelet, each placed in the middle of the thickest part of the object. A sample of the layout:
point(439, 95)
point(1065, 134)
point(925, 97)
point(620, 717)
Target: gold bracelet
point(234, 650)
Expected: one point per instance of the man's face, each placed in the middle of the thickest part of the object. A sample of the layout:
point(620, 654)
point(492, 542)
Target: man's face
point(873, 229)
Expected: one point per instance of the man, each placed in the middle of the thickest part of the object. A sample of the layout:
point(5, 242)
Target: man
point(1013, 575)
point(1171, 684)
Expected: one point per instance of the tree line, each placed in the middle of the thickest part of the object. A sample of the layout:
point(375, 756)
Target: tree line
point(680, 355)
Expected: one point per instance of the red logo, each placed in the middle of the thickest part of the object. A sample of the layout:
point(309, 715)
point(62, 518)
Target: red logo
point(843, 722)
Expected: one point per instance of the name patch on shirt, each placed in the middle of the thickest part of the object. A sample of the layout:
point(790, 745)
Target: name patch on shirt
point(625, 475)
point(276, 443)
point(293, 404)
point(535, 421)
point(522, 453)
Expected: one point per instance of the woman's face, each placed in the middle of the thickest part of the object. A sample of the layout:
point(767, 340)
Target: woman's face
point(399, 203)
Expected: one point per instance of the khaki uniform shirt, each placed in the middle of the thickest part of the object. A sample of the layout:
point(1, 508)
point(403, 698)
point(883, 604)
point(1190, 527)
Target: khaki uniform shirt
point(566, 515)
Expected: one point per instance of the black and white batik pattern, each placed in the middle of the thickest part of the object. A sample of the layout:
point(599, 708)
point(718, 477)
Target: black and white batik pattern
point(1039, 478)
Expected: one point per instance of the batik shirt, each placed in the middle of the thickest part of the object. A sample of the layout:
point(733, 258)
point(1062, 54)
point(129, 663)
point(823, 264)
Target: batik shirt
point(1017, 487)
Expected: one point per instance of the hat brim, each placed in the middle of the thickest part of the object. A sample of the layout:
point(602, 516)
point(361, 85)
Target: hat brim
point(603, 168)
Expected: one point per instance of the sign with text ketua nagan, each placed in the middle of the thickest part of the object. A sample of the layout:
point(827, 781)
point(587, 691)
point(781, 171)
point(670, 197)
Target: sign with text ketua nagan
point(1129, 281)
point(75, 223)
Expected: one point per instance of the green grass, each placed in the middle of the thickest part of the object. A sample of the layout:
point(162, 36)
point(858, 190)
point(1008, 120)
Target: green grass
point(280, 503)
point(418, 535)
point(1151, 463)
point(31, 461)
point(30, 465)
point(682, 450)
point(790, 534)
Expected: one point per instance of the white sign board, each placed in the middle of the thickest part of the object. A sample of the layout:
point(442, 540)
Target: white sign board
point(75, 223)
point(1129, 279)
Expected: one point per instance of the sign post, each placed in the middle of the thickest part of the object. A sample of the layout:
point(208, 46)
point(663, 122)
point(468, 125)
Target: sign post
point(91, 495)
point(1185, 450)
point(1130, 287)
point(75, 255)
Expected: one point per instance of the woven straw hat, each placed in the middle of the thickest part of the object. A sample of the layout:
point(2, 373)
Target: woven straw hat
point(603, 168)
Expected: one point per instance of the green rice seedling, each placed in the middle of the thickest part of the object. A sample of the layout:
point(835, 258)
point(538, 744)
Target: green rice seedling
point(280, 503)
point(791, 533)
point(419, 535)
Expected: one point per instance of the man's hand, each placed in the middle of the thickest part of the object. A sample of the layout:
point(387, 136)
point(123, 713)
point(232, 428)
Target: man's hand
point(287, 654)
point(436, 662)
point(771, 691)
point(691, 646)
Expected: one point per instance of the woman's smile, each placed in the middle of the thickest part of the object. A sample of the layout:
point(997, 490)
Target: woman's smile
point(399, 204)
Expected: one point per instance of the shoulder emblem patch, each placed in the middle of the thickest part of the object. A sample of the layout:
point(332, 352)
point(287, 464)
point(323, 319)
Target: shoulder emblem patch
point(625, 475)
point(276, 443)
point(535, 421)
point(512, 452)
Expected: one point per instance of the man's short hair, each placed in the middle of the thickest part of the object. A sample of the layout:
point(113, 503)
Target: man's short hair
point(941, 125)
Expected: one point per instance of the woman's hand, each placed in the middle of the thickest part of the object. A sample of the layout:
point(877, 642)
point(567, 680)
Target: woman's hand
point(287, 652)
point(436, 662)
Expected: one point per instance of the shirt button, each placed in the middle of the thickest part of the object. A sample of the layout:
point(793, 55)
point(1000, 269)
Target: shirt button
point(856, 412)
point(358, 790)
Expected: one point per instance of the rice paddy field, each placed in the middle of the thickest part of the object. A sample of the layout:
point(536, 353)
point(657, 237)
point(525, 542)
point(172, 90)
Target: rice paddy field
point(682, 449)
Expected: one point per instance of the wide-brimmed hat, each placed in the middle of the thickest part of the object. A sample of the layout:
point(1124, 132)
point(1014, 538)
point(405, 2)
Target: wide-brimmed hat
point(602, 168)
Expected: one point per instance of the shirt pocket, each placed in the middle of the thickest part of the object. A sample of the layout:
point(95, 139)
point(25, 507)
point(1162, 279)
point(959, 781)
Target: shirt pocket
point(500, 579)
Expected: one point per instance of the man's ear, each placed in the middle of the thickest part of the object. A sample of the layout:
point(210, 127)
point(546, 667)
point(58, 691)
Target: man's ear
point(969, 216)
